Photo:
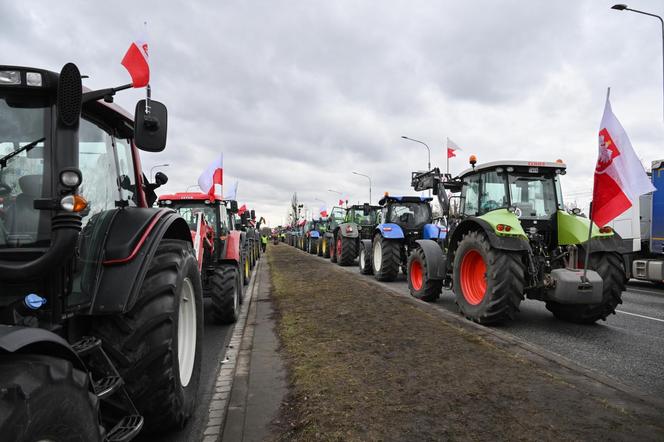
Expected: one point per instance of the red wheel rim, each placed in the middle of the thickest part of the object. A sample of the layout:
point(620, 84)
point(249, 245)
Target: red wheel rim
point(339, 247)
point(416, 275)
point(473, 277)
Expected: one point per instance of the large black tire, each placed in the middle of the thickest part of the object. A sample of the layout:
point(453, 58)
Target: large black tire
point(419, 284)
point(245, 269)
point(226, 294)
point(488, 283)
point(348, 250)
point(385, 258)
point(313, 246)
point(45, 398)
point(332, 246)
point(143, 343)
point(364, 260)
point(610, 267)
point(319, 248)
point(326, 247)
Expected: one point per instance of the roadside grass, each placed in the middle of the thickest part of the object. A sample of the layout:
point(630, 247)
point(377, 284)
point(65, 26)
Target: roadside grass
point(366, 365)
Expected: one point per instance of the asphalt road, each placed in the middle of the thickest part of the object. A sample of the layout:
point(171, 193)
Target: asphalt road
point(215, 341)
point(628, 346)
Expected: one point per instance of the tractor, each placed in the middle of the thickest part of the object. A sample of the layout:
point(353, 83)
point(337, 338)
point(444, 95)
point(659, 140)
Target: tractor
point(238, 222)
point(328, 243)
point(403, 223)
point(101, 311)
point(217, 249)
point(358, 224)
point(314, 229)
point(512, 238)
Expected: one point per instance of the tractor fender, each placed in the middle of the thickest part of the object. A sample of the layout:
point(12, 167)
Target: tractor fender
point(131, 237)
point(390, 231)
point(516, 244)
point(435, 258)
point(32, 340)
point(605, 244)
point(432, 231)
point(346, 233)
point(233, 246)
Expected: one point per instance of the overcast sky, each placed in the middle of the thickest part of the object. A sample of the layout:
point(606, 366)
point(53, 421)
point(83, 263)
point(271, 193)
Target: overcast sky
point(298, 94)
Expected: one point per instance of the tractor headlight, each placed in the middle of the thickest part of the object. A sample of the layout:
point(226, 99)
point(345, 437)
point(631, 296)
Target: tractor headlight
point(33, 78)
point(70, 178)
point(10, 77)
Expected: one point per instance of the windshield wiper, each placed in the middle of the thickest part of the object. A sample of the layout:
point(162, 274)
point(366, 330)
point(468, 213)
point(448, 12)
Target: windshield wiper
point(9, 156)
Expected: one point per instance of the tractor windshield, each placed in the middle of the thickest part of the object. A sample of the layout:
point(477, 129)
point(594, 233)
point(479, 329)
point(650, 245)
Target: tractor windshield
point(534, 196)
point(357, 216)
point(410, 215)
point(189, 212)
point(21, 176)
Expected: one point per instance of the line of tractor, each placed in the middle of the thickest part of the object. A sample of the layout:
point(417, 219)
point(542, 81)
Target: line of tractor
point(503, 235)
point(101, 282)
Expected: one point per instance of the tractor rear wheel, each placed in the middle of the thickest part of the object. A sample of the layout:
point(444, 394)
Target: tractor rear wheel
point(365, 260)
point(46, 398)
point(226, 294)
point(156, 346)
point(333, 249)
point(246, 270)
point(313, 246)
point(386, 258)
point(488, 283)
point(325, 249)
point(610, 267)
point(346, 250)
point(419, 284)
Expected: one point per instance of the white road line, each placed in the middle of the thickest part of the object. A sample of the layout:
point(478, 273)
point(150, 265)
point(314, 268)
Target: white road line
point(650, 292)
point(640, 316)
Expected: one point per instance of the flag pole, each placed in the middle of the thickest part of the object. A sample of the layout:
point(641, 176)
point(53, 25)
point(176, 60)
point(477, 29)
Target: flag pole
point(448, 155)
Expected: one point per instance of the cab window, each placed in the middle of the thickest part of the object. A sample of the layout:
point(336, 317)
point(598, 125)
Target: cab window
point(470, 195)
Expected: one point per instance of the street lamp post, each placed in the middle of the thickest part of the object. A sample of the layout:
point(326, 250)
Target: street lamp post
point(369, 178)
point(623, 7)
point(428, 152)
point(154, 167)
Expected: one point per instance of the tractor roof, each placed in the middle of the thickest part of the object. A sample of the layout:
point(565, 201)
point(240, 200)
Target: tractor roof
point(518, 164)
point(188, 196)
point(361, 207)
point(404, 199)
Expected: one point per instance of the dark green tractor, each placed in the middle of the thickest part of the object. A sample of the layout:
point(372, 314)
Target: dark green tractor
point(329, 240)
point(358, 224)
point(510, 237)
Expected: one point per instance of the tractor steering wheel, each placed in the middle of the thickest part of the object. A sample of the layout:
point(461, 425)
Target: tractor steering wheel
point(5, 189)
point(491, 205)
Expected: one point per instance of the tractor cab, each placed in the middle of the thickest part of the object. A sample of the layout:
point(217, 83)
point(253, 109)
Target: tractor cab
point(365, 217)
point(408, 217)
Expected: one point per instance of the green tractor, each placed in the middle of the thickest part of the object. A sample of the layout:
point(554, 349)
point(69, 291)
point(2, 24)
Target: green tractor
point(328, 241)
point(509, 238)
point(358, 224)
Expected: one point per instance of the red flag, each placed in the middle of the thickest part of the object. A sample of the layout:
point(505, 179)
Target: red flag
point(136, 62)
point(619, 174)
point(451, 148)
point(242, 209)
point(341, 202)
point(211, 180)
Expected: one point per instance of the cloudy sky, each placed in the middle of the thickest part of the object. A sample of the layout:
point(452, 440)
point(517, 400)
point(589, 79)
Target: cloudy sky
point(298, 94)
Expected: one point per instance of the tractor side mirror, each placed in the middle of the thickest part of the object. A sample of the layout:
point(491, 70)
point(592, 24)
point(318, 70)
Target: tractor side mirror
point(366, 209)
point(150, 126)
point(160, 179)
point(234, 208)
point(253, 214)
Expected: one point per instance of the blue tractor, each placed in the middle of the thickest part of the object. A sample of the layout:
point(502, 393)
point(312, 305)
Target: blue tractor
point(404, 223)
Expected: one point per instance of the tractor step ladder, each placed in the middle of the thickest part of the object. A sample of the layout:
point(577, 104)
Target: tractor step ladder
point(107, 384)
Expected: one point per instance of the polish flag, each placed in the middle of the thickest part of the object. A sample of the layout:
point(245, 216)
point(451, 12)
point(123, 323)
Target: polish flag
point(242, 209)
point(211, 180)
point(341, 202)
point(136, 61)
point(451, 148)
point(323, 211)
point(619, 175)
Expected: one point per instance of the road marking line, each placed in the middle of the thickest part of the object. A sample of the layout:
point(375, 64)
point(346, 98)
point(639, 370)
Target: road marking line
point(640, 316)
point(650, 292)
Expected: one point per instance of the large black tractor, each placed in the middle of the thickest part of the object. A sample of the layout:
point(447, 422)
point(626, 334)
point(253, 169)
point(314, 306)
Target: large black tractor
point(511, 237)
point(329, 239)
point(358, 224)
point(101, 316)
point(217, 249)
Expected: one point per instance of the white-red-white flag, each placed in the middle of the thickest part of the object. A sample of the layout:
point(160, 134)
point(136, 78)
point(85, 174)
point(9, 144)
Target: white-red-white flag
point(211, 180)
point(451, 148)
point(619, 175)
point(136, 62)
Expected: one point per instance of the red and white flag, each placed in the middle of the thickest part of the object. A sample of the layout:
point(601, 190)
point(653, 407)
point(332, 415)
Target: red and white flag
point(242, 209)
point(619, 175)
point(211, 180)
point(323, 211)
point(136, 61)
point(451, 148)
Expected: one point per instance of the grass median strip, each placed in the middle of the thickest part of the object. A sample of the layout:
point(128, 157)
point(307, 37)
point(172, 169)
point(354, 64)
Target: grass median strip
point(365, 365)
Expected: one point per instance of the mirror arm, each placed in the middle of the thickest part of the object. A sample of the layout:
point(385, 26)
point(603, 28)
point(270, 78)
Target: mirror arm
point(106, 94)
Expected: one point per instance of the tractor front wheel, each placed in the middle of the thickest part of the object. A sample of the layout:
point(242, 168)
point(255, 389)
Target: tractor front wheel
point(386, 258)
point(157, 345)
point(419, 283)
point(365, 260)
point(226, 294)
point(333, 249)
point(488, 283)
point(313, 246)
point(346, 250)
point(325, 247)
point(610, 267)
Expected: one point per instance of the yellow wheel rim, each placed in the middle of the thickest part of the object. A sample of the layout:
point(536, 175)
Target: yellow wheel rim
point(246, 268)
point(324, 246)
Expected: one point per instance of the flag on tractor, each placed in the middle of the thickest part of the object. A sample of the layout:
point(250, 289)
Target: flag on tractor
point(341, 202)
point(242, 209)
point(232, 195)
point(619, 175)
point(323, 211)
point(451, 148)
point(136, 62)
point(211, 180)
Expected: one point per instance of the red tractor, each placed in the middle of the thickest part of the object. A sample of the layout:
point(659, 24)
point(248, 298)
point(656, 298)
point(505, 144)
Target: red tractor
point(217, 246)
